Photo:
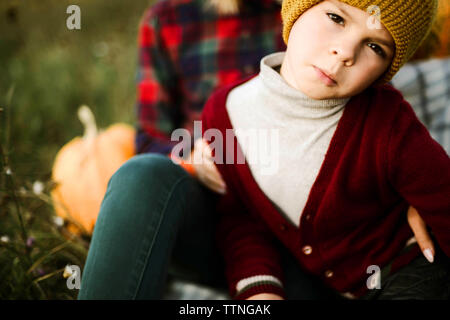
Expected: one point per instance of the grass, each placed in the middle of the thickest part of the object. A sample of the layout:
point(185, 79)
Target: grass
point(48, 71)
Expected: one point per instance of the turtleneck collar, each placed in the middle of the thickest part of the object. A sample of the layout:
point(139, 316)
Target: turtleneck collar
point(278, 87)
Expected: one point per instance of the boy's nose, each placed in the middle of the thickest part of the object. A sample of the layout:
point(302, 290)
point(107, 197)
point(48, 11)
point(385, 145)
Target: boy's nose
point(346, 54)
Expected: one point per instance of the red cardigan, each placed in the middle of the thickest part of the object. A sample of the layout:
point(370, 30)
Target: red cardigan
point(380, 159)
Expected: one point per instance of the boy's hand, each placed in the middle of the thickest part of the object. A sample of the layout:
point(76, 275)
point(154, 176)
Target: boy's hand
point(265, 296)
point(206, 171)
point(419, 228)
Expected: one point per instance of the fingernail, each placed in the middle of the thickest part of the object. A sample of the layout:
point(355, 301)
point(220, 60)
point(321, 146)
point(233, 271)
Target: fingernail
point(429, 255)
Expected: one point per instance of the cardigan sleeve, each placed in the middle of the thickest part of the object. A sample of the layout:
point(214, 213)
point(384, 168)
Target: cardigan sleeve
point(248, 251)
point(419, 169)
point(246, 243)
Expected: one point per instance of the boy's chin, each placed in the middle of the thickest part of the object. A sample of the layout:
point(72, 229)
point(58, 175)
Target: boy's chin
point(318, 93)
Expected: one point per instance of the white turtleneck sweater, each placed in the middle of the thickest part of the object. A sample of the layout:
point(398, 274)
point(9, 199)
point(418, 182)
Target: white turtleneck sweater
point(305, 128)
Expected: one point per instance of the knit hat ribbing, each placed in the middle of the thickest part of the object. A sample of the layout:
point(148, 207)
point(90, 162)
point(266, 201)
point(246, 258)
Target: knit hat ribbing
point(408, 22)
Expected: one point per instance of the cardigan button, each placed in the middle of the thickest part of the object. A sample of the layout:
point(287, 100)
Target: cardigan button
point(283, 227)
point(307, 250)
point(308, 216)
point(329, 274)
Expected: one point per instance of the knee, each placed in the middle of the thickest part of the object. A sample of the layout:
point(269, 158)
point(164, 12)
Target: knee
point(143, 182)
point(146, 170)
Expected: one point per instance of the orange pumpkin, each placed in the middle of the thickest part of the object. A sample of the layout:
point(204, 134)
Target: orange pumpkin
point(437, 43)
point(83, 167)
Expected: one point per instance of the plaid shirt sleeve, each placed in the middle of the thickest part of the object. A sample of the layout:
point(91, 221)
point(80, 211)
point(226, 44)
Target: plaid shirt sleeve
point(158, 111)
point(187, 50)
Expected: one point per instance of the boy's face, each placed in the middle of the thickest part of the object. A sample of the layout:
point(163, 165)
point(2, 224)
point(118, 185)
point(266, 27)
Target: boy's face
point(334, 51)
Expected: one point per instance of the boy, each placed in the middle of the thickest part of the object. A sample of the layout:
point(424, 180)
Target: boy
point(352, 155)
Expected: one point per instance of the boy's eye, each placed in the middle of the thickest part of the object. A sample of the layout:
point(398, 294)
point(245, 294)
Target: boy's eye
point(377, 49)
point(336, 18)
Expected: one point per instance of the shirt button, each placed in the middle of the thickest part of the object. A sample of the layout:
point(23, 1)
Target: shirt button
point(307, 250)
point(329, 274)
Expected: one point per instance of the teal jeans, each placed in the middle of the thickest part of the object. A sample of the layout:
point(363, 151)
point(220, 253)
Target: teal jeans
point(154, 218)
point(157, 221)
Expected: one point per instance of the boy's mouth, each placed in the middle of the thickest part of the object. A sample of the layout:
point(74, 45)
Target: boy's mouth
point(325, 77)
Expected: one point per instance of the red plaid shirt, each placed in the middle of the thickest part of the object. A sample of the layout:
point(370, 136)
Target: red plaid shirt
point(186, 50)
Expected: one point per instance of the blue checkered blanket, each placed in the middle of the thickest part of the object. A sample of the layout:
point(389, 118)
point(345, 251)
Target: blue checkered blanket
point(426, 86)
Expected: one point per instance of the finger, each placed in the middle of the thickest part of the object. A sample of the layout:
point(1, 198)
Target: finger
point(214, 174)
point(209, 175)
point(200, 157)
point(213, 185)
point(207, 178)
point(421, 234)
point(207, 149)
point(202, 146)
point(211, 180)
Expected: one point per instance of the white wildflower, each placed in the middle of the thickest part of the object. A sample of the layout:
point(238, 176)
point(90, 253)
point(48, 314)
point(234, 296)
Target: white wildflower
point(68, 271)
point(38, 187)
point(8, 171)
point(4, 239)
point(58, 221)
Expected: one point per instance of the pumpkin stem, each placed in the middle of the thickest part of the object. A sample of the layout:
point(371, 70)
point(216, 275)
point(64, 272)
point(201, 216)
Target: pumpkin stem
point(88, 120)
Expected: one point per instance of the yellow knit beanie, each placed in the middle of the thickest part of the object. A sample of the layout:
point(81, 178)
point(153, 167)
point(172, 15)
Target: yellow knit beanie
point(408, 21)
